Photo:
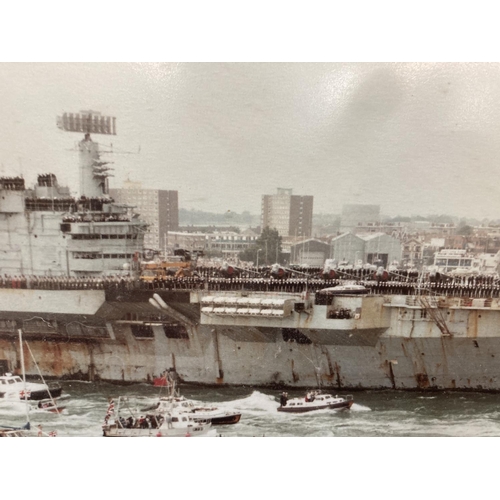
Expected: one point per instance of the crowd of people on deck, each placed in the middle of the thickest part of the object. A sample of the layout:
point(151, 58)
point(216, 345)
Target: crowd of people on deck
point(88, 217)
point(47, 180)
point(142, 422)
point(341, 313)
point(12, 183)
point(70, 204)
point(94, 203)
point(43, 204)
point(480, 286)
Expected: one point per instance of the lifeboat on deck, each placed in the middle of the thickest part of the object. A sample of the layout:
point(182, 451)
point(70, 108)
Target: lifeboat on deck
point(344, 290)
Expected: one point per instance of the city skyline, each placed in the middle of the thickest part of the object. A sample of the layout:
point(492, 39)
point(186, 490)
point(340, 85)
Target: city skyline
point(411, 137)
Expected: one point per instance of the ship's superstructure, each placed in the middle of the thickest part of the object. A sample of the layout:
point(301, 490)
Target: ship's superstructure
point(48, 232)
point(60, 261)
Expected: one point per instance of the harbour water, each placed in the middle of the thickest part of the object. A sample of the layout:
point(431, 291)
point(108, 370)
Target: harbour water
point(374, 413)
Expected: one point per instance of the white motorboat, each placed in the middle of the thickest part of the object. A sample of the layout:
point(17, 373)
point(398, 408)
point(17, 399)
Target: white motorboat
point(169, 422)
point(314, 400)
point(13, 388)
point(199, 412)
point(213, 414)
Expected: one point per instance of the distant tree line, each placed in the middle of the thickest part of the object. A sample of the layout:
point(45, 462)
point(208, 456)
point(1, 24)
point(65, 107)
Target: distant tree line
point(229, 218)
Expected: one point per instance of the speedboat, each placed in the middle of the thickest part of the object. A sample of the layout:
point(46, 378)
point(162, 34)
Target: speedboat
point(198, 413)
point(314, 400)
point(168, 423)
point(13, 388)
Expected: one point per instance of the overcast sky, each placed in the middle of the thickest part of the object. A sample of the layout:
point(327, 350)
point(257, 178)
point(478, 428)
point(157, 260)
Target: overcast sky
point(412, 137)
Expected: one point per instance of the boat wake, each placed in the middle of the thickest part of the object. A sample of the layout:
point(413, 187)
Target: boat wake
point(257, 401)
point(359, 407)
point(13, 408)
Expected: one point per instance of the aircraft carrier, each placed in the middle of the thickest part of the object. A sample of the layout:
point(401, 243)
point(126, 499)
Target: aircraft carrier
point(68, 265)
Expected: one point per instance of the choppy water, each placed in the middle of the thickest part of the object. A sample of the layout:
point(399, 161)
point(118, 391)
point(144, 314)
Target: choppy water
point(374, 413)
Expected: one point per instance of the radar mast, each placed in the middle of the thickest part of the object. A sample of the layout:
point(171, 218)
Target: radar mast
point(94, 173)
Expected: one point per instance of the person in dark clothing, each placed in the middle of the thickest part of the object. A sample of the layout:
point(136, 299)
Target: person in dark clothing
point(284, 399)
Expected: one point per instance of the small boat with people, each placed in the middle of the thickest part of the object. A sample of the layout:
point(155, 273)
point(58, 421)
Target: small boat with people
point(166, 423)
point(215, 415)
point(314, 400)
point(49, 405)
point(13, 388)
point(200, 412)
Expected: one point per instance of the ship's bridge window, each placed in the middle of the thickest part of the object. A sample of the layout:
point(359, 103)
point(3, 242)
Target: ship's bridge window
point(440, 262)
point(86, 255)
point(466, 262)
point(17, 379)
point(453, 262)
point(11, 381)
point(85, 236)
point(175, 331)
point(142, 331)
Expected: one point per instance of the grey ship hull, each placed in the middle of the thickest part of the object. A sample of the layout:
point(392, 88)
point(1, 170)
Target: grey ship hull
point(94, 335)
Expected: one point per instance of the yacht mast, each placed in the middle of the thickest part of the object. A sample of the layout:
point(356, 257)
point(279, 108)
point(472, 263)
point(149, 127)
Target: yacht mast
point(20, 331)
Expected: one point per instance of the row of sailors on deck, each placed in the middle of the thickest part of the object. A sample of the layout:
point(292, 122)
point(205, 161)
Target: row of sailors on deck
point(66, 203)
point(96, 218)
point(9, 182)
point(63, 282)
point(47, 180)
point(12, 183)
point(110, 282)
point(347, 273)
point(342, 313)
